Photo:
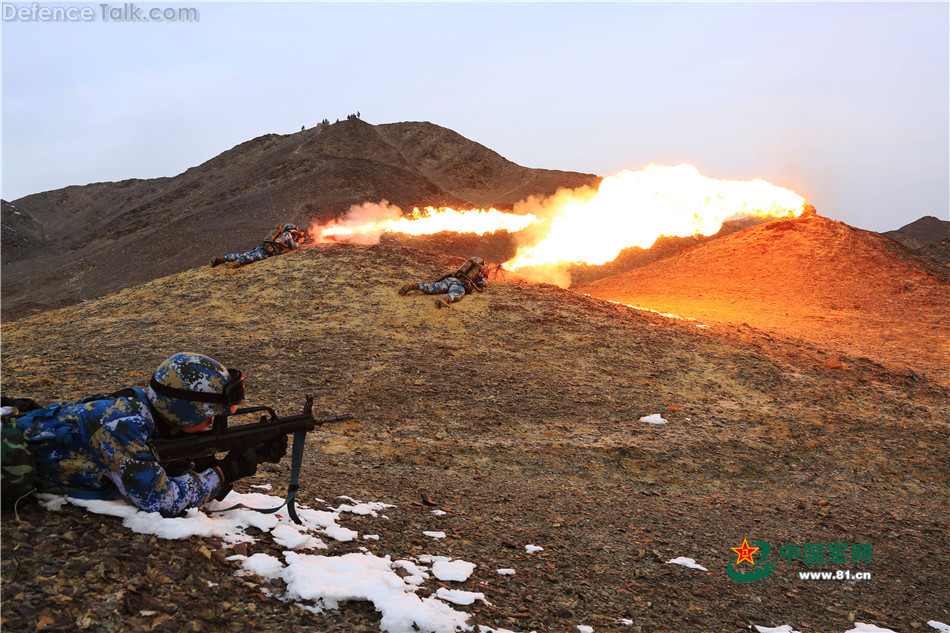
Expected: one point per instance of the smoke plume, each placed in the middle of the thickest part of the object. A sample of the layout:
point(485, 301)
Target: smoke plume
point(362, 224)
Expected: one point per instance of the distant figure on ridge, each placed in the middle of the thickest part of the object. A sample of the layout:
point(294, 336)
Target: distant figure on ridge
point(278, 240)
point(466, 280)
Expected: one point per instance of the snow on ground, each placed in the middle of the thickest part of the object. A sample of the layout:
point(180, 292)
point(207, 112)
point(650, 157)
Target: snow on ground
point(686, 562)
point(656, 418)
point(861, 627)
point(457, 570)
point(358, 507)
point(314, 581)
point(460, 597)
point(319, 582)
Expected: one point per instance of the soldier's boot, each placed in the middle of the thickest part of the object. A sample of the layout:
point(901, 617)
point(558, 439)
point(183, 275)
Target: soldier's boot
point(405, 289)
point(442, 303)
point(234, 265)
point(217, 261)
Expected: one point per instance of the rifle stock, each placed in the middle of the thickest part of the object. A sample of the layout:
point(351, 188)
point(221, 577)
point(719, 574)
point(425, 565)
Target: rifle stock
point(222, 439)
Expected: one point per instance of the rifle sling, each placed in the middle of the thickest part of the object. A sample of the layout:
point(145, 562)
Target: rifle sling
point(296, 462)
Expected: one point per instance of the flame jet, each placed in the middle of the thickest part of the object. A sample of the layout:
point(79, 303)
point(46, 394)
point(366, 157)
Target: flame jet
point(635, 208)
point(587, 226)
point(363, 224)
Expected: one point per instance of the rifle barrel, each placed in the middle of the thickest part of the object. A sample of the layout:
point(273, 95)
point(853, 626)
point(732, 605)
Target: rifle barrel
point(335, 418)
point(222, 439)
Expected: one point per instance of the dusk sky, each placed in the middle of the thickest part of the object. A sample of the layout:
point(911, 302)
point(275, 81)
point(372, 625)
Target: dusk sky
point(848, 104)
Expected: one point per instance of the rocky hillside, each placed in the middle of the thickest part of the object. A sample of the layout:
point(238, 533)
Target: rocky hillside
point(77, 243)
point(923, 232)
point(517, 413)
point(928, 236)
point(821, 281)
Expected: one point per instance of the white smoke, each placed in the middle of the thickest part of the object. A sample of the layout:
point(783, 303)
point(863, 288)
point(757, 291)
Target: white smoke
point(547, 209)
point(362, 224)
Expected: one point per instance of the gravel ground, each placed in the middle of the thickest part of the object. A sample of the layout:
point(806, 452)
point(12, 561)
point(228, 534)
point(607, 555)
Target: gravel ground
point(518, 414)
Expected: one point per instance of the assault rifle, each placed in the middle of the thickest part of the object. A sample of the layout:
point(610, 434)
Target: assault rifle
point(268, 436)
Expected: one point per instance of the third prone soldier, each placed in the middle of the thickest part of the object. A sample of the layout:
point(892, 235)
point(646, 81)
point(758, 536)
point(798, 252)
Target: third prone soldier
point(467, 279)
point(280, 240)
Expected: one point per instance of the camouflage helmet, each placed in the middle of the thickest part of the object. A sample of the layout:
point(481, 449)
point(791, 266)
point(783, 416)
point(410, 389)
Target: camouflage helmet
point(289, 227)
point(188, 388)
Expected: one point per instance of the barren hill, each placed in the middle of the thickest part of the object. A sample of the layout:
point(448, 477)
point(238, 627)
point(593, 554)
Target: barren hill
point(928, 236)
point(64, 246)
point(922, 232)
point(824, 282)
point(517, 413)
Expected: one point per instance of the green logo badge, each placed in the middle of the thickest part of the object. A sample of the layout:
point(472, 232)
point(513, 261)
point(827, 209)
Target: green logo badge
point(808, 554)
point(758, 571)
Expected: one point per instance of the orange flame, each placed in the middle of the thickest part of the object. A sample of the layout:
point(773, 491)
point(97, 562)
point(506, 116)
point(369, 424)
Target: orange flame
point(632, 208)
point(361, 226)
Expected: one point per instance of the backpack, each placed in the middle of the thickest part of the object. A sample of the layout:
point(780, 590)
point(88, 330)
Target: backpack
point(17, 466)
point(273, 234)
point(33, 434)
point(275, 247)
point(467, 273)
point(471, 268)
point(270, 244)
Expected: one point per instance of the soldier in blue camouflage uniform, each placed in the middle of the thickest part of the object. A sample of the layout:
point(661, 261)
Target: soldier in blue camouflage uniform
point(285, 239)
point(465, 280)
point(100, 444)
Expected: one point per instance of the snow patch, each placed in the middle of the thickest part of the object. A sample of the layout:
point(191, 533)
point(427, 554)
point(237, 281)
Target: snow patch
point(686, 562)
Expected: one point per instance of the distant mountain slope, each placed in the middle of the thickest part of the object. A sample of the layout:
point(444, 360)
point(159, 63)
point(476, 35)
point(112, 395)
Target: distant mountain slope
point(928, 236)
point(823, 281)
point(80, 242)
point(470, 171)
point(920, 233)
point(20, 232)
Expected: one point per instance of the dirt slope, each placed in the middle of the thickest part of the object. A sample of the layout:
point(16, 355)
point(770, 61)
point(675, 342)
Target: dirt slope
point(470, 171)
point(518, 413)
point(829, 284)
point(77, 243)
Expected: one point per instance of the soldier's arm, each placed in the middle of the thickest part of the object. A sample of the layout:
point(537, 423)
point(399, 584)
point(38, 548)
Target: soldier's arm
point(120, 445)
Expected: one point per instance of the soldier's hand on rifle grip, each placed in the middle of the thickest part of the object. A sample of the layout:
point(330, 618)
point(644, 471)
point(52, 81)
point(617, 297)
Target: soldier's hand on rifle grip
point(178, 467)
point(238, 464)
point(273, 451)
point(204, 463)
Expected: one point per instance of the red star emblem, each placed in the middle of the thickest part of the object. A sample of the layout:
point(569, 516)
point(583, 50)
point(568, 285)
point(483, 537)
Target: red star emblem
point(745, 552)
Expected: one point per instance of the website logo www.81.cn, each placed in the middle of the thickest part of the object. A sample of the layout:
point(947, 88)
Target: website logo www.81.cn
point(104, 12)
point(808, 554)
